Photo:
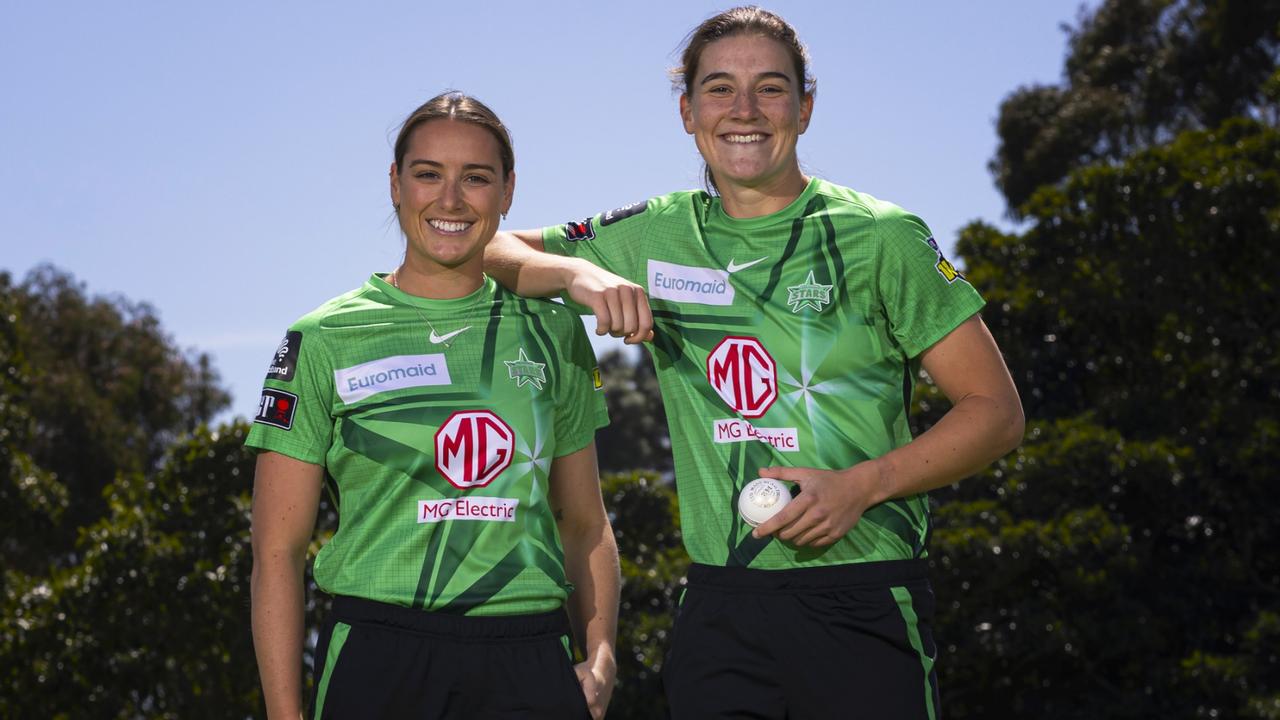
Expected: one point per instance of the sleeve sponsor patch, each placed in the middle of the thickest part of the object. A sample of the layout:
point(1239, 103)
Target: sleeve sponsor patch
point(285, 361)
point(597, 380)
point(579, 231)
point(944, 266)
point(276, 408)
point(623, 212)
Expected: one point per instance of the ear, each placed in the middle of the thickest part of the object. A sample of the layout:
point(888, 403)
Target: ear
point(509, 194)
point(395, 187)
point(806, 111)
point(686, 113)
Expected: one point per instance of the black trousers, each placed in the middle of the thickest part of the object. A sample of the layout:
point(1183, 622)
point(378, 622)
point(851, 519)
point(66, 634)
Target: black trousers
point(376, 660)
point(850, 641)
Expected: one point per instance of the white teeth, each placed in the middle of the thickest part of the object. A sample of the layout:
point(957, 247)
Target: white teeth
point(755, 137)
point(449, 227)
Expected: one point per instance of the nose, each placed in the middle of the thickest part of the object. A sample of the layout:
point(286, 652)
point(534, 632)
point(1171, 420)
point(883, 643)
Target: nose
point(451, 196)
point(744, 105)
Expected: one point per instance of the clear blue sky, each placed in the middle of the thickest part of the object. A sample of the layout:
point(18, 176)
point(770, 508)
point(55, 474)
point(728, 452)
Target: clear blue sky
point(227, 162)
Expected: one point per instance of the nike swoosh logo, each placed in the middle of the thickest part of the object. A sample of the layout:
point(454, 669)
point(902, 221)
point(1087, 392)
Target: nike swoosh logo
point(437, 339)
point(735, 267)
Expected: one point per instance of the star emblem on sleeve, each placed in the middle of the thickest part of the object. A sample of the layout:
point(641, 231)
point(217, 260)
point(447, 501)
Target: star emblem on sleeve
point(809, 293)
point(525, 371)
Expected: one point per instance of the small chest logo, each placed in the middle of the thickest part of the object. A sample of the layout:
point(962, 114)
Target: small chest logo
point(744, 375)
point(808, 294)
point(525, 371)
point(473, 447)
point(690, 284)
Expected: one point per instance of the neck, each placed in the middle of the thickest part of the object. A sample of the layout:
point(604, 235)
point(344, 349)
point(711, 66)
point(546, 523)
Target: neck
point(748, 201)
point(438, 283)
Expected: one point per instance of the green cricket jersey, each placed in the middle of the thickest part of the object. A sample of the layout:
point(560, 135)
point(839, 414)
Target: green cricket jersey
point(789, 339)
point(438, 439)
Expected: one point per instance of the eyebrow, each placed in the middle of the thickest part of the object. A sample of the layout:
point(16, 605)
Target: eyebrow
point(724, 75)
point(468, 166)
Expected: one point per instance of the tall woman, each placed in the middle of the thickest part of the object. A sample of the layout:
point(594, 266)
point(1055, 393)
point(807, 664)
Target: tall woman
point(455, 422)
point(789, 319)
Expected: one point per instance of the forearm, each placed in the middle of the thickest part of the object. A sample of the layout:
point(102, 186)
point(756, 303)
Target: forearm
point(974, 432)
point(591, 564)
point(277, 615)
point(516, 261)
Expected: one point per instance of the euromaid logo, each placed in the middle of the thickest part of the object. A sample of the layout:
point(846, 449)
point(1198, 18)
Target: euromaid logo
point(688, 284)
point(391, 373)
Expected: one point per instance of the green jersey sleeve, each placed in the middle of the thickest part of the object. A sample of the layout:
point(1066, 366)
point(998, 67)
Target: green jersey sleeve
point(613, 240)
point(295, 413)
point(580, 404)
point(922, 293)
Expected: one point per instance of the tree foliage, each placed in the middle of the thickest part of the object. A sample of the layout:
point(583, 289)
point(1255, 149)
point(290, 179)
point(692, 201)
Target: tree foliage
point(636, 437)
point(1137, 73)
point(1122, 563)
point(93, 388)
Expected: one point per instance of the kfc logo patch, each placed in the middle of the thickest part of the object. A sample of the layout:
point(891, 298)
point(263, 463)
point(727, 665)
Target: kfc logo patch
point(473, 447)
point(276, 408)
point(744, 375)
point(578, 231)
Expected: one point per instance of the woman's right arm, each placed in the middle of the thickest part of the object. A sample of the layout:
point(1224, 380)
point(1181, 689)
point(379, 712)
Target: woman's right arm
point(286, 496)
point(516, 259)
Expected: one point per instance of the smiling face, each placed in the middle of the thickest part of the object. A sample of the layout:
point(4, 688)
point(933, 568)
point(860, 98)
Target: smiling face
point(745, 109)
point(450, 191)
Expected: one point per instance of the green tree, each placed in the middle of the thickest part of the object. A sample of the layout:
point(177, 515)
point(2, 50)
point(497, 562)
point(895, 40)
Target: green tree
point(646, 525)
point(1123, 563)
point(1137, 73)
point(93, 388)
point(636, 437)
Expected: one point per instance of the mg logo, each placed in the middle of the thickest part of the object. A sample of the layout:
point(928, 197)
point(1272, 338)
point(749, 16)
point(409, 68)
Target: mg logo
point(472, 447)
point(744, 374)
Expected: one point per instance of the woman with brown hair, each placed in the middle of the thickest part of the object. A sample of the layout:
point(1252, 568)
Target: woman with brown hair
point(788, 318)
point(455, 423)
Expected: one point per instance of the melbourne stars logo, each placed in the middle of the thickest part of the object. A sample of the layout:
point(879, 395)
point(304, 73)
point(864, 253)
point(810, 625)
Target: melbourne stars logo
point(525, 371)
point(808, 294)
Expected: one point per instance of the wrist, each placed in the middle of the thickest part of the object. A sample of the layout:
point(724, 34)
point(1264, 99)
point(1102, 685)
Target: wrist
point(601, 659)
point(568, 269)
point(879, 477)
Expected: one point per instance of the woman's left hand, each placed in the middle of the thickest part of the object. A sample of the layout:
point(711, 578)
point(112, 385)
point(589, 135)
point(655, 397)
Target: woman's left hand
point(596, 677)
point(830, 503)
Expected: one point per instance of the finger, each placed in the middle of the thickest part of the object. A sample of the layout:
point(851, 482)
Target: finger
point(797, 475)
point(603, 319)
point(616, 316)
point(785, 517)
point(802, 525)
point(644, 318)
point(816, 535)
point(629, 317)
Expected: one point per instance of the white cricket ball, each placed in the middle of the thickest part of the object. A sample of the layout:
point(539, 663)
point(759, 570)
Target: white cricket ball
point(761, 499)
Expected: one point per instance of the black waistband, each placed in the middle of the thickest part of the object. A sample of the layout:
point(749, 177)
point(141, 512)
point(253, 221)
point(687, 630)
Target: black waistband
point(878, 574)
point(354, 610)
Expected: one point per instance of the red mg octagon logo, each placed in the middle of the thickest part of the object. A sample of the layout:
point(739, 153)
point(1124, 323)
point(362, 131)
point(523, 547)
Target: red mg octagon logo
point(744, 374)
point(472, 447)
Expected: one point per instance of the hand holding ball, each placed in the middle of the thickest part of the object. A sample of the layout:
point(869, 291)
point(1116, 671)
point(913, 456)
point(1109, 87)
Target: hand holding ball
point(761, 499)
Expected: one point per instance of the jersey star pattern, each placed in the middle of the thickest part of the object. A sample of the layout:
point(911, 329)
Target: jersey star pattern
point(437, 445)
point(789, 339)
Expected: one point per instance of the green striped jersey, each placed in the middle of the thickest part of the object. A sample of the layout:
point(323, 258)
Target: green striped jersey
point(438, 437)
point(788, 339)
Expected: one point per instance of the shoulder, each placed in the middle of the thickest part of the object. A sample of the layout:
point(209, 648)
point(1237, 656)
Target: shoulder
point(560, 321)
point(680, 202)
point(890, 220)
point(324, 314)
